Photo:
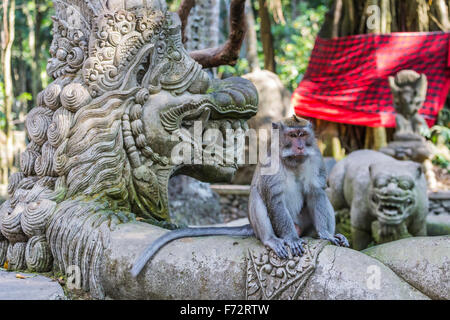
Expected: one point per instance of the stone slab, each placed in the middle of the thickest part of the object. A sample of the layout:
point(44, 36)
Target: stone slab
point(217, 268)
point(423, 262)
point(33, 287)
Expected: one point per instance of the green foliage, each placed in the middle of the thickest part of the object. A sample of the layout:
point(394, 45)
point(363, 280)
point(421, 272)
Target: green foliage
point(294, 41)
point(443, 118)
point(173, 5)
point(239, 69)
point(440, 136)
point(442, 162)
point(38, 13)
point(2, 120)
point(25, 96)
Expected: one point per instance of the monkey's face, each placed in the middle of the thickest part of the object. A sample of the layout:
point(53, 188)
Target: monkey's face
point(295, 144)
point(392, 193)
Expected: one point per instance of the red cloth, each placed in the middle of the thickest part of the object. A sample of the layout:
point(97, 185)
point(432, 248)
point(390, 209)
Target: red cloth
point(347, 78)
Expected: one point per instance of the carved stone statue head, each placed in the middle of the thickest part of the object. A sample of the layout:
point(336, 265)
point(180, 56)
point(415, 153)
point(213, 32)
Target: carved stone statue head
point(102, 133)
point(408, 91)
point(393, 192)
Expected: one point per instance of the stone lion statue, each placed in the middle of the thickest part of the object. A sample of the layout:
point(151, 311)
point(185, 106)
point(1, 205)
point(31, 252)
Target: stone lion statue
point(101, 134)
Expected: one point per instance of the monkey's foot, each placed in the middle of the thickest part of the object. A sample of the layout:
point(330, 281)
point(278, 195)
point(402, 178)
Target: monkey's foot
point(277, 245)
point(296, 246)
point(338, 239)
point(342, 240)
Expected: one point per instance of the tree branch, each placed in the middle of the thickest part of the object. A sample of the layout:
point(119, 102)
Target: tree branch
point(228, 53)
point(183, 12)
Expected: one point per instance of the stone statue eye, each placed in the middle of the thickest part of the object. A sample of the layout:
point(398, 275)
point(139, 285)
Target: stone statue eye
point(406, 184)
point(381, 182)
point(61, 54)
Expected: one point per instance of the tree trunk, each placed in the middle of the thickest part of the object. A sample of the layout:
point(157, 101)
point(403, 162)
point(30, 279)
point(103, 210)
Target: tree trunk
point(266, 37)
point(7, 41)
point(30, 12)
point(251, 42)
point(202, 28)
point(439, 15)
point(34, 19)
point(348, 17)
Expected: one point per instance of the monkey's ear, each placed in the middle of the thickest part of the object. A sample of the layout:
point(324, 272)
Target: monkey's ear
point(275, 125)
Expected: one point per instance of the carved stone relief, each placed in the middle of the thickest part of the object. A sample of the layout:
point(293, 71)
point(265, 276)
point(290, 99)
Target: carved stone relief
point(272, 278)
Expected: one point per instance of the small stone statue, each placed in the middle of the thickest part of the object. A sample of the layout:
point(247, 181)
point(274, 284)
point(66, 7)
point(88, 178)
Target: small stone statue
point(387, 198)
point(409, 92)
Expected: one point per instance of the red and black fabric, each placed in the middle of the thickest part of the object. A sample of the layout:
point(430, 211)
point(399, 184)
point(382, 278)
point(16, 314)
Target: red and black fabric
point(347, 78)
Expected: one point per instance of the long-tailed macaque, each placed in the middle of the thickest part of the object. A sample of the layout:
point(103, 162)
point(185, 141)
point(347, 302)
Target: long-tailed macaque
point(283, 205)
point(292, 203)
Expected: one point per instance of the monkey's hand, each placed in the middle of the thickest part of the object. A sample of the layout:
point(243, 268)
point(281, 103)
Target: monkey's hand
point(296, 245)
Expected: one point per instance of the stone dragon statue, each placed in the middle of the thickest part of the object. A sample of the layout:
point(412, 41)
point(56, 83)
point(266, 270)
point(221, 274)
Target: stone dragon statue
point(101, 134)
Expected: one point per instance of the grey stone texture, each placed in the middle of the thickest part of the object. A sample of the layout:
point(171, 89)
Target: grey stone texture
point(217, 268)
point(378, 188)
point(423, 262)
point(33, 287)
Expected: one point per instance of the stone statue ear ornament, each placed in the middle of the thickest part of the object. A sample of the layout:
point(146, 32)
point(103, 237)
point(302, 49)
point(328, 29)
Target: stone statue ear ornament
point(393, 85)
point(422, 86)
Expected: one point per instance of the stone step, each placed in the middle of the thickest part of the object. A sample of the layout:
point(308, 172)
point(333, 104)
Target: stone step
point(32, 287)
point(223, 189)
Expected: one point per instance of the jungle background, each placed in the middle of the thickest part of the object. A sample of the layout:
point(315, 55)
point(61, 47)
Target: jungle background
point(280, 38)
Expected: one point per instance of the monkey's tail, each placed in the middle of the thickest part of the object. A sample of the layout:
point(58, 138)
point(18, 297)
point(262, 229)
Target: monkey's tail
point(149, 252)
